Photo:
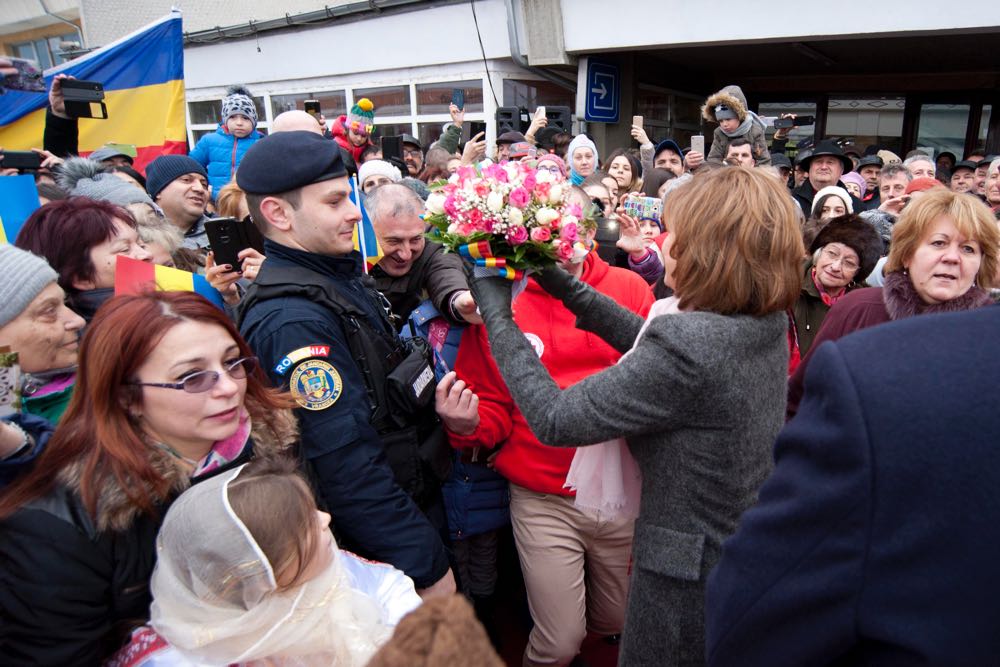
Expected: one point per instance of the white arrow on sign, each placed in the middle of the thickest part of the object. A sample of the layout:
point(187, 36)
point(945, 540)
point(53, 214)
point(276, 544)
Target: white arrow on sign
point(603, 90)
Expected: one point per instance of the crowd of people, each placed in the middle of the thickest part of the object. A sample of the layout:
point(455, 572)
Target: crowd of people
point(324, 472)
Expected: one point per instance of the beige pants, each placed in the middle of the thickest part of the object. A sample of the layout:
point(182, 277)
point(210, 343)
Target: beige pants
point(575, 567)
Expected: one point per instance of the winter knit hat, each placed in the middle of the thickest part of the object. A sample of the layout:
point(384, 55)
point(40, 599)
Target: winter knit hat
point(238, 101)
point(852, 177)
point(554, 159)
point(378, 168)
point(921, 184)
point(83, 177)
point(361, 119)
point(857, 235)
point(888, 157)
point(832, 190)
point(24, 276)
point(165, 169)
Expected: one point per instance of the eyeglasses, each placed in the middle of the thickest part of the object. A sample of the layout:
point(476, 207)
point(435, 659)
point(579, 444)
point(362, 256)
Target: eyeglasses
point(553, 168)
point(202, 381)
point(846, 263)
point(412, 152)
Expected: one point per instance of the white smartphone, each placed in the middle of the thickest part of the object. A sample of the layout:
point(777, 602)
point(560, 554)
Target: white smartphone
point(540, 112)
point(698, 143)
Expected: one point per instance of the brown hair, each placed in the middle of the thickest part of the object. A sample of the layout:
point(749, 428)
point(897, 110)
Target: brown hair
point(276, 505)
point(736, 242)
point(98, 430)
point(972, 218)
point(227, 202)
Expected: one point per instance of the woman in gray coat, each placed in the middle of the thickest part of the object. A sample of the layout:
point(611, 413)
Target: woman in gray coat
point(699, 398)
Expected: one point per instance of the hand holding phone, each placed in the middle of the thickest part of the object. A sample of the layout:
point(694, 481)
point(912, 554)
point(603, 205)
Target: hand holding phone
point(643, 208)
point(458, 98)
point(312, 107)
point(26, 75)
point(698, 143)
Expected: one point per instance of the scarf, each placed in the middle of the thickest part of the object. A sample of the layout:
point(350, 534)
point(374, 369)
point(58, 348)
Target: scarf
point(222, 452)
point(86, 303)
point(605, 476)
point(575, 178)
point(828, 299)
point(902, 301)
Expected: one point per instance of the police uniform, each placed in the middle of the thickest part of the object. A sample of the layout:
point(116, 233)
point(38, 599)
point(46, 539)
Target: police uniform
point(302, 317)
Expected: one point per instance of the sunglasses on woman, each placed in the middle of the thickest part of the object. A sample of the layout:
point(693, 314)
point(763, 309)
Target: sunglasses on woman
point(202, 381)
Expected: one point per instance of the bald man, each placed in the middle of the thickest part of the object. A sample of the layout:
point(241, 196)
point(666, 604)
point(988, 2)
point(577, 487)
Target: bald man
point(296, 119)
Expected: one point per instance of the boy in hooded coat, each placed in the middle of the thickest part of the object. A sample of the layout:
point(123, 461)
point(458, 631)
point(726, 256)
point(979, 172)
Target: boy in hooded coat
point(728, 108)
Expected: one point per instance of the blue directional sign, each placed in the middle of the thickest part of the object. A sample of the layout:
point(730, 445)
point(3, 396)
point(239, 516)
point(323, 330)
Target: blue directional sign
point(603, 92)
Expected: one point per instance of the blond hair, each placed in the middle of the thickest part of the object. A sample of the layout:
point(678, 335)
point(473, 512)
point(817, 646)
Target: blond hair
point(971, 217)
point(737, 244)
point(227, 202)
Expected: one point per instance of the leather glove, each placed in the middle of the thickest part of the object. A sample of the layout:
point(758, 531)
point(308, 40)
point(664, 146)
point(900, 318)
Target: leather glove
point(565, 287)
point(493, 296)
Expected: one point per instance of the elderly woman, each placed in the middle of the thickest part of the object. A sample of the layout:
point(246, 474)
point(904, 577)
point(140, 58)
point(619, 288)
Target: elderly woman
point(843, 253)
point(35, 323)
point(943, 259)
point(81, 239)
point(698, 397)
point(167, 395)
point(992, 187)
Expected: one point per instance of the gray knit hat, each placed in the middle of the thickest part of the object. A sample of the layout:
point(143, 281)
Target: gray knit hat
point(23, 278)
point(83, 177)
point(238, 101)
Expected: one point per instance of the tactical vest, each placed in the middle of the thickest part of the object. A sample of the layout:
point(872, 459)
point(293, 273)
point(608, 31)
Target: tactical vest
point(399, 380)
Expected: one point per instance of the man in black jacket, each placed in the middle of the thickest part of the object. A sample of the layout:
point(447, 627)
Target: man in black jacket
point(825, 165)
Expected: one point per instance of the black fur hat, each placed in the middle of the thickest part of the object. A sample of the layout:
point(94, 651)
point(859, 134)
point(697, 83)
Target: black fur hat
point(857, 235)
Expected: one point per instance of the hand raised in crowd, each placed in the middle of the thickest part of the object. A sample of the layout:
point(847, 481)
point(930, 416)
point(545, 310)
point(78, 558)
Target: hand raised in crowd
point(631, 240)
point(894, 205)
point(7, 68)
point(457, 405)
point(465, 305)
point(224, 277)
point(475, 149)
point(49, 161)
point(640, 135)
point(457, 115)
point(322, 123)
point(56, 100)
point(693, 160)
point(782, 132)
point(6, 172)
point(537, 123)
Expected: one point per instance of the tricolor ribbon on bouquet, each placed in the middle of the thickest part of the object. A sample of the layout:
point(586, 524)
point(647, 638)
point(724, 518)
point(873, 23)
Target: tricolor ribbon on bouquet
point(486, 263)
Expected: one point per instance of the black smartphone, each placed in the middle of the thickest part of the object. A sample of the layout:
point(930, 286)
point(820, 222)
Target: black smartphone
point(471, 128)
point(23, 160)
point(227, 237)
point(782, 123)
point(312, 108)
point(84, 99)
point(458, 97)
point(28, 78)
point(392, 147)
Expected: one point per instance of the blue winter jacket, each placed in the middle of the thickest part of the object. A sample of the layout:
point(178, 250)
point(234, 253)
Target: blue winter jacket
point(220, 153)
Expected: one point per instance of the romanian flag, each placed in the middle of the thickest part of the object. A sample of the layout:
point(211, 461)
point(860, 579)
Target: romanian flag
point(365, 240)
point(135, 277)
point(143, 78)
point(18, 200)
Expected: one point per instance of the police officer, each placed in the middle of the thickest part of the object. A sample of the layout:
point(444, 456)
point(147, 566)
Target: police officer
point(323, 333)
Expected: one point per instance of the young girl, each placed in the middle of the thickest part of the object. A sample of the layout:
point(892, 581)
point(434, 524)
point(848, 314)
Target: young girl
point(625, 169)
point(638, 239)
point(220, 152)
point(266, 584)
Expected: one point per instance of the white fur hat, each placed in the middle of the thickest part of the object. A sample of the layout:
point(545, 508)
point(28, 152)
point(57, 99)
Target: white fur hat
point(378, 168)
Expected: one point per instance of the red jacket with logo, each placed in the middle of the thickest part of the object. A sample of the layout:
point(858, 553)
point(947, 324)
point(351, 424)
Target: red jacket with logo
point(568, 353)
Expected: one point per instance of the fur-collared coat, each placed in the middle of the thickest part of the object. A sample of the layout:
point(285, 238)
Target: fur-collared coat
point(72, 586)
point(733, 97)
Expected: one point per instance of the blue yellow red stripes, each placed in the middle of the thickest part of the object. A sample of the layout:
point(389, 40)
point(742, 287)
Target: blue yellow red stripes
point(135, 277)
point(482, 256)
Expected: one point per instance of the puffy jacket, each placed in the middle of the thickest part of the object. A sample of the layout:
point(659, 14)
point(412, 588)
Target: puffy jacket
point(569, 354)
point(220, 153)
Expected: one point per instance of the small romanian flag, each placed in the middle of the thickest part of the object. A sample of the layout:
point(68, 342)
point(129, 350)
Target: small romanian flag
point(365, 240)
point(18, 200)
point(135, 277)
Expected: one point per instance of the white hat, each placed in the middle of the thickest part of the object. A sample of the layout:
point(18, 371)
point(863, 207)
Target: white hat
point(378, 168)
point(833, 190)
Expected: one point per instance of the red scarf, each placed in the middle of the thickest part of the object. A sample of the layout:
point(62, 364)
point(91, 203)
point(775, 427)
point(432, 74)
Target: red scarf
point(828, 299)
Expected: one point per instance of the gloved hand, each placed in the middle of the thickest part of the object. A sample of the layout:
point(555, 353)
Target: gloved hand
point(493, 296)
point(564, 286)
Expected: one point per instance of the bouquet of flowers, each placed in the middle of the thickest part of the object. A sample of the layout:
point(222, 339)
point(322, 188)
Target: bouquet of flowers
point(506, 218)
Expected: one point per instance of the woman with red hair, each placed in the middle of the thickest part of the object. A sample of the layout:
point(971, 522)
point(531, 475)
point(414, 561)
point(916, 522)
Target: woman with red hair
point(81, 238)
point(167, 395)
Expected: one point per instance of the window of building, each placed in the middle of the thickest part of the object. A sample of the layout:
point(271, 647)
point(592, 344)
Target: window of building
point(45, 51)
point(388, 101)
point(984, 125)
point(332, 103)
point(392, 129)
point(434, 98)
point(532, 94)
point(867, 121)
point(942, 128)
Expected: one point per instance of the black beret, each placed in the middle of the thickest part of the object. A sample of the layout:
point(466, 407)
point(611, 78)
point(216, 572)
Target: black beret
point(286, 161)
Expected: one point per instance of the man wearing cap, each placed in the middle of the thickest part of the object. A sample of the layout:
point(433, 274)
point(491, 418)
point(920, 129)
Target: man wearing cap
point(504, 142)
point(982, 170)
point(963, 176)
point(413, 155)
point(668, 156)
point(870, 166)
point(324, 334)
point(825, 165)
point(781, 162)
point(111, 156)
point(179, 185)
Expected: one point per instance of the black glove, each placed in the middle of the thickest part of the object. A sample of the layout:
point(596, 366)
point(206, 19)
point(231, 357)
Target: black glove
point(493, 296)
point(564, 286)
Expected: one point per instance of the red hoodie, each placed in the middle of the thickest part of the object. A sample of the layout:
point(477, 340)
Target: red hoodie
point(568, 353)
point(339, 131)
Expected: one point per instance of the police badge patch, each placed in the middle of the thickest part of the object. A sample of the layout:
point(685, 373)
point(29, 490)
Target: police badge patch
point(315, 385)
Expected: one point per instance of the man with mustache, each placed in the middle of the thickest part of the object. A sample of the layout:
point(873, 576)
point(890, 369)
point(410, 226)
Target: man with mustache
point(825, 167)
point(179, 185)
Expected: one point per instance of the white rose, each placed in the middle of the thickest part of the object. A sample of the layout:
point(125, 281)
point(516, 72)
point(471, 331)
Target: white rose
point(570, 219)
point(494, 202)
point(555, 194)
point(511, 170)
point(544, 176)
point(453, 228)
point(435, 203)
point(515, 217)
point(545, 215)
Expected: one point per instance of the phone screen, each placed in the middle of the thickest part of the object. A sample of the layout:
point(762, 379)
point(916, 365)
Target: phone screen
point(392, 147)
point(312, 107)
point(458, 97)
point(698, 143)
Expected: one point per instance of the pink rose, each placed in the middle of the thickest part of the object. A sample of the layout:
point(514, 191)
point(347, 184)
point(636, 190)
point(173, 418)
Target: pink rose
point(542, 191)
point(529, 182)
point(475, 218)
point(482, 188)
point(564, 251)
point(517, 235)
point(541, 234)
point(519, 197)
point(451, 205)
point(575, 210)
point(464, 229)
point(568, 232)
